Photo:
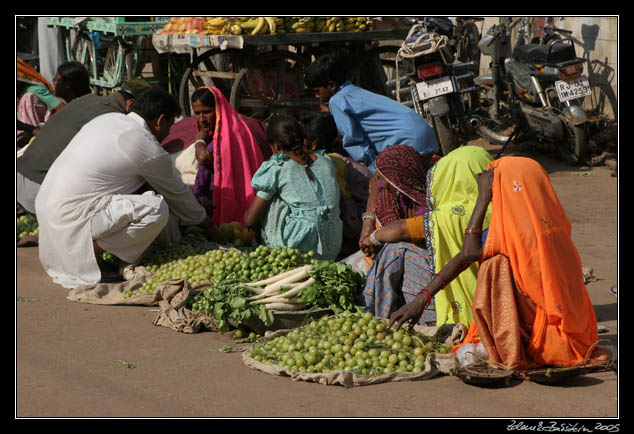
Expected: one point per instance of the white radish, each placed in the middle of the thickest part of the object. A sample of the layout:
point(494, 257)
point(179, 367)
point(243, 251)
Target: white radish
point(270, 293)
point(278, 277)
point(297, 289)
point(284, 306)
point(293, 278)
point(285, 295)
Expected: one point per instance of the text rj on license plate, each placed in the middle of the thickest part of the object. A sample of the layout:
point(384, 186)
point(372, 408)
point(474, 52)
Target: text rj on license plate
point(573, 89)
point(432, 88)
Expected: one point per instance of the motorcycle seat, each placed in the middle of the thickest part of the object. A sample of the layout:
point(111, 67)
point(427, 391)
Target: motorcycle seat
point(551, 53)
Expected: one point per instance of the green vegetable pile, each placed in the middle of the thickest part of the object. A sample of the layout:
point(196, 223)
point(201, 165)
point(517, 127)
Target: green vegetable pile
point(27, 225)
point(349, 341)
point(226, 301)
point(197, 265)
point(254, 282)
point(322, 284)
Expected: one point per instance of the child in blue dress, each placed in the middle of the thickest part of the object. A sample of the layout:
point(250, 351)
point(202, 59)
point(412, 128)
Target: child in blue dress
point(297, 199)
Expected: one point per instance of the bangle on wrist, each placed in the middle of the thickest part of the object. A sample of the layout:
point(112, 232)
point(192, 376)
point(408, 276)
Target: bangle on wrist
point(199, 141)
point(473, 231)
point(368, 215)
point(373, 239)
point(428, 295)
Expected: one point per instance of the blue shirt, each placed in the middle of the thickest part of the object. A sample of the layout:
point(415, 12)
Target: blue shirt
point(369, 123)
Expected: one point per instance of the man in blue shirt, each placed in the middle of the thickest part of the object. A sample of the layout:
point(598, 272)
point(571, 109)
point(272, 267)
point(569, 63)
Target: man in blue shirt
point(368, 122)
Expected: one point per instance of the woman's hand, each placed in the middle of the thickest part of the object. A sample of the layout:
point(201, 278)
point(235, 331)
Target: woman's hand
point(203, 134)
point(367, 248)
point(485, 185)
point(203, 156)
point(411, 312)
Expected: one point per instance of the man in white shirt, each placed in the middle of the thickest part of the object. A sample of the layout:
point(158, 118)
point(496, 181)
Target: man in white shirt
point(87, 201)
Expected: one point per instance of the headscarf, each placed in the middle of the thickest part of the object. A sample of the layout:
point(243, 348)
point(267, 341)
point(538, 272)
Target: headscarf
point(27, 74)
point(530, 227)
point(406, 170)
point(237, 153)
point(452, 191)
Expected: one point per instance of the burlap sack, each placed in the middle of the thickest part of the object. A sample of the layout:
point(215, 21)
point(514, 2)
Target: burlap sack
point(170, 297)
point(435, 364)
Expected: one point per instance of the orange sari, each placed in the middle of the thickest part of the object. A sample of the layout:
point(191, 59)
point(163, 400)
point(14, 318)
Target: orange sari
point(529, 227)
point(27, 74)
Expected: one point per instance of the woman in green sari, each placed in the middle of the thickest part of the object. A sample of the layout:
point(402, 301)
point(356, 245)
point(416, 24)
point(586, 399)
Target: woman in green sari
point(402, 269)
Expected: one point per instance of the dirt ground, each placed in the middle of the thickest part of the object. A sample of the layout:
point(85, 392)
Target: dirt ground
point(70, 358)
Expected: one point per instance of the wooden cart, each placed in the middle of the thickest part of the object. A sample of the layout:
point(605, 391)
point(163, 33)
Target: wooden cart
point(113, 49)
point(262, 74)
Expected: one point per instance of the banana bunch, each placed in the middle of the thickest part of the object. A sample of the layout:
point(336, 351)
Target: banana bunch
point(299, 24)
point(221, 26)
point(258, 25)
point(276, 25)
point(326, 24)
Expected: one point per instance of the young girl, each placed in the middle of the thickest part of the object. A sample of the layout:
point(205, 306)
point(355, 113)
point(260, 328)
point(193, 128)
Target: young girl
point(297, 199)
point(352, 177)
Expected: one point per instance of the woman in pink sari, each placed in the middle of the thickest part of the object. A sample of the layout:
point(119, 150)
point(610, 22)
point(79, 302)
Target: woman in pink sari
point(230, 148)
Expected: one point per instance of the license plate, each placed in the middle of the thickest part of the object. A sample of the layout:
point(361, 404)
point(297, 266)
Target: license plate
point(573, 89)
point(436, 87)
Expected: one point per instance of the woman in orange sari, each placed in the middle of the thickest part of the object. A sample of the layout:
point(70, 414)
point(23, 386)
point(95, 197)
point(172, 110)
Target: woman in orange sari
point(530, 307)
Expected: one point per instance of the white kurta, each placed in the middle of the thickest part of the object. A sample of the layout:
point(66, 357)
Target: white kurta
point(114, 154)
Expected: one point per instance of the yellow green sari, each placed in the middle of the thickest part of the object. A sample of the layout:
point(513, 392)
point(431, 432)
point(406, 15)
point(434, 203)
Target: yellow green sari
point(452, 190)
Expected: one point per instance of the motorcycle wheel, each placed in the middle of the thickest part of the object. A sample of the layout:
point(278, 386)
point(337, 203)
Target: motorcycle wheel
point(576, 147)
point(444, 133)
point(496, 130)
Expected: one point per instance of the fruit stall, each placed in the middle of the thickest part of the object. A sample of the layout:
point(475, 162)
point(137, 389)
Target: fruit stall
point(113, 49)
point(258, 62)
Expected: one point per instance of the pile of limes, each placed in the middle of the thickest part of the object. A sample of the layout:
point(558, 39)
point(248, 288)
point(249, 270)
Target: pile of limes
point(27, 225)
point(198, 265)
point(355, 342)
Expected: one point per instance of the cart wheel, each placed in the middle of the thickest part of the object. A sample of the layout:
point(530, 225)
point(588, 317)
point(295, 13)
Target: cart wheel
point(196, 76)
point(113, 64)
point(83, 51)
point(274, 81)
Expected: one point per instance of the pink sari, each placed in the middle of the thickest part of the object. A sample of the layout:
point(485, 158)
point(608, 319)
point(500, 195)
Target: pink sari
point(238, 149)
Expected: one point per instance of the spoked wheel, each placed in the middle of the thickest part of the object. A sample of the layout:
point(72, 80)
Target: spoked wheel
point(199, 74)
point(274, 81)
point(83, 51)
point(113, 64)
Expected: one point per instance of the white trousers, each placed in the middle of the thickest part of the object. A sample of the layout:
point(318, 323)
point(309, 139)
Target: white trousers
point(129, 224)
point(26, 192)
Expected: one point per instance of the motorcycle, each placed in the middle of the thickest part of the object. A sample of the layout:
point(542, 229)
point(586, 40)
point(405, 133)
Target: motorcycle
point(440, 88)
point(537, 88)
